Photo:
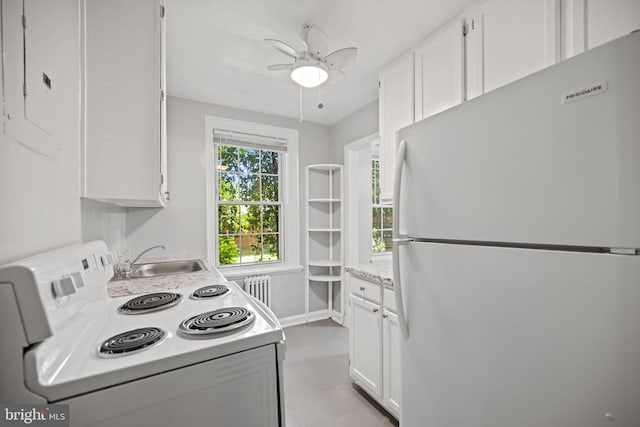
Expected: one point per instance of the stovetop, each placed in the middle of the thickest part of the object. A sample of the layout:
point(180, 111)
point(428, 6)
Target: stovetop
point(68, 363)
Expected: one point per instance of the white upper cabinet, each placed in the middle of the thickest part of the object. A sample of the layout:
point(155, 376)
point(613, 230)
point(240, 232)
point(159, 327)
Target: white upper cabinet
point(124, 103)
point(610, 19)
point(519, 37)
point(396, 110)
point(439, 72)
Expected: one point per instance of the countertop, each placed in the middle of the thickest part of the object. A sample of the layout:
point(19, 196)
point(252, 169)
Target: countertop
point(146, 285)
point(379, 271)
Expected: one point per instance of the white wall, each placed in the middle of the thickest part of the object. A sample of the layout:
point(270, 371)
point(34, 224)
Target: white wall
point(360, 123)
point(181, 226)
point(40, 195)
point(102, 221)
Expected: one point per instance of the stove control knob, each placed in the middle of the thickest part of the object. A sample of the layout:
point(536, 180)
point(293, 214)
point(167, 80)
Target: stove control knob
point(78, 278)
point(64, 286)
point(111, 258)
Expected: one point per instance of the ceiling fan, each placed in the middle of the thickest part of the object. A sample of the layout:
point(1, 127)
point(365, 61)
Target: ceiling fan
point(313, 66)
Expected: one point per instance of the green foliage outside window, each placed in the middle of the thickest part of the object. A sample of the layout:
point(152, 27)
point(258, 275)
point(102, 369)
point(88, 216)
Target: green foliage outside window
point(248, 205)
point(381, 239)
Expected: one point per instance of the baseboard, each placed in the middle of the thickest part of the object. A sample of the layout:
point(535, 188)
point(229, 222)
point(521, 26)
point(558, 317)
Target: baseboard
point(301, 319)
point(337, 317)
point(294, 320)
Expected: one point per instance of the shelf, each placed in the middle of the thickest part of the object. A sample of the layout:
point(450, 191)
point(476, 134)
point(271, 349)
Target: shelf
point(325, 263)
point(324, 278)
point(323, 236)
point(321, 200)
point(325, 167)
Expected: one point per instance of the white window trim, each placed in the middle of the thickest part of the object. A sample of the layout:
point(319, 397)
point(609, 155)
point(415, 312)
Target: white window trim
point(289, 189)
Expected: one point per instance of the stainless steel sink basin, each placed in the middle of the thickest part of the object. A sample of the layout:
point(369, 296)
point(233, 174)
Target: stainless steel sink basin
point(152, 269)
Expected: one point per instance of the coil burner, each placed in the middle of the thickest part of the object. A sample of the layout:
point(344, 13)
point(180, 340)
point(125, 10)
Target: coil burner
point(217, 321)
point(212, 291)
point(131, 342)
point(150, 303)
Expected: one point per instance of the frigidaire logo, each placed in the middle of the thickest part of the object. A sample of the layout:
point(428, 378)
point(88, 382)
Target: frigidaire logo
point(37, 415)
point(592, 89)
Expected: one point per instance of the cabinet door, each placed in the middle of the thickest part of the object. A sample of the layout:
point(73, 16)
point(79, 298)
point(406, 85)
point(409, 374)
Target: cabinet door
point(40, 50)
point(609, 19)
point(439, 72)
point(391, 362)
point(366, 345)
point(123, 156)
point(519, 37)
point(396, 110)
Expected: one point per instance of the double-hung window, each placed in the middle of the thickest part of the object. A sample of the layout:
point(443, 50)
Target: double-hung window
point(381, 217)
point(253, 216)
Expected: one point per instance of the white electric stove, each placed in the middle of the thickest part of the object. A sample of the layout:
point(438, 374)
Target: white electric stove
point(209, 354)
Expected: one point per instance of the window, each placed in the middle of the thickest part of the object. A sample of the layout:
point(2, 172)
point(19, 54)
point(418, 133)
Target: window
point(249, 206)
point(253, 220)
point(381, 217)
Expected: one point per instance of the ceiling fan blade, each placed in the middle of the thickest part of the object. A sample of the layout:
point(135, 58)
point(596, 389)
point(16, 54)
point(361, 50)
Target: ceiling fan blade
point(282, 47)
point(317, 41)
point(335, 75)
point(277, 67)
point(341, 58)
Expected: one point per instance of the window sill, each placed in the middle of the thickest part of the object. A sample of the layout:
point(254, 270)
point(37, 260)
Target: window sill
point(239, 272)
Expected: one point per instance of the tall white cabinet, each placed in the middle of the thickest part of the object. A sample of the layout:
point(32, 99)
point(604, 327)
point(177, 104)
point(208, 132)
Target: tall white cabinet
point(124, 150)
point(519, 37)
point(439, 71)
point(324, 240)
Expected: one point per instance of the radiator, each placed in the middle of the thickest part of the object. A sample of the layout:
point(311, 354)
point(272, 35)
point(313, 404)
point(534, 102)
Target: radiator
point(259, 287)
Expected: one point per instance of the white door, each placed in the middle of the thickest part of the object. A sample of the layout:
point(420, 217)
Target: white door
point(439, 72)
point(520, 37)
point(392, 377)
point(503, 337)
point(610, 19)
point(396, 105)
point(366, 345)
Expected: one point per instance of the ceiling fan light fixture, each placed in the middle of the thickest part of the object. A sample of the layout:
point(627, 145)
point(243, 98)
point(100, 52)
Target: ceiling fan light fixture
point(309, 74)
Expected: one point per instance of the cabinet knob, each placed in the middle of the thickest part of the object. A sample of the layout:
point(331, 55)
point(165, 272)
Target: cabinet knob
point(362, 288)
point(384, 316)
point(375, 310)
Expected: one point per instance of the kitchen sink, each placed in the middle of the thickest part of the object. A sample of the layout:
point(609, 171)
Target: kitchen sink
point(153, 269)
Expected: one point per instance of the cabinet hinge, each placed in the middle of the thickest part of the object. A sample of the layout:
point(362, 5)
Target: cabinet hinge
point(379, 85)
point(24, 90)
point(24, 21)
point(161, 95)
point(161, 179)
point(464, 29)
point(161, 11)
point(473, 24)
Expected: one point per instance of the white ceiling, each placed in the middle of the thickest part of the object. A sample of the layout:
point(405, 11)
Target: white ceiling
point(216, 51)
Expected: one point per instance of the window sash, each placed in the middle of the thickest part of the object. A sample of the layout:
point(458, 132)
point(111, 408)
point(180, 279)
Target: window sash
point(279, 203)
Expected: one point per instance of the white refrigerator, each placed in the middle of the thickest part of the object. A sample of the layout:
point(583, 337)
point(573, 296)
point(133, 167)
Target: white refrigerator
point(516, 251)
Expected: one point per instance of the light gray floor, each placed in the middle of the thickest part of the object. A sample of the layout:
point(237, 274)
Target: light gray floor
point(318, 390)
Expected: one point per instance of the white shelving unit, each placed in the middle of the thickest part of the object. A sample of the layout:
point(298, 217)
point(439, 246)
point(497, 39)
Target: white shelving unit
point(324, 238)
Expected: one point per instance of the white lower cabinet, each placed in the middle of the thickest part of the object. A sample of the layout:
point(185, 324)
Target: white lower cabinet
point(366, 345)
point(391, 362)
point(375, 348)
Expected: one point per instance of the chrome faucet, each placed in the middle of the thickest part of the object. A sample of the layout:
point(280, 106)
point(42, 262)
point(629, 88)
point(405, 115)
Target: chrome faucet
point(132, 263)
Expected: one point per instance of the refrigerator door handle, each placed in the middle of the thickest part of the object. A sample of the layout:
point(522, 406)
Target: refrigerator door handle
point(397, 239)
